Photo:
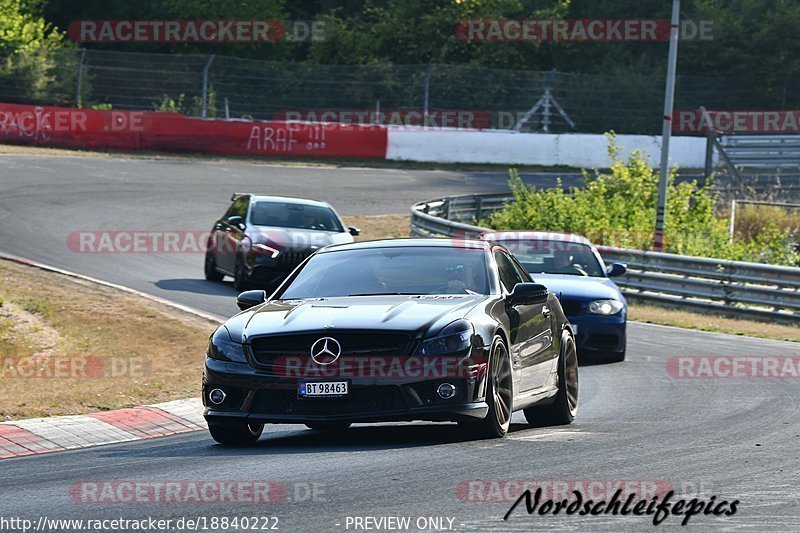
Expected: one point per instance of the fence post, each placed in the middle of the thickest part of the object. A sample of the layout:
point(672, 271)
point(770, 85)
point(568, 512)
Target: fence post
point(426, 95)
point(709, 156)
point(205, 85)
point(81, 57)
point(478, 208)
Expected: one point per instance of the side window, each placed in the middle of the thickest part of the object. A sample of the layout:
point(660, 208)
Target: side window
point(526, 277)
point(508, 272)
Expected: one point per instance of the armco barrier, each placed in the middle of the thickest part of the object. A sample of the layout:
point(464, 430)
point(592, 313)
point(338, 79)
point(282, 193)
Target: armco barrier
point(145, 130)
point(578, 150)
point(733, 287)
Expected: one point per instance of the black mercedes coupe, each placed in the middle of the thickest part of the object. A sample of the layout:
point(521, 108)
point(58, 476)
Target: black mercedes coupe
point(394, 330)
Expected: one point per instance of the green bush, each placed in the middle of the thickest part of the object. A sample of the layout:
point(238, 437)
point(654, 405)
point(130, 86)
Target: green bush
point(191, 107)
point(36, 62)
point(618, 208)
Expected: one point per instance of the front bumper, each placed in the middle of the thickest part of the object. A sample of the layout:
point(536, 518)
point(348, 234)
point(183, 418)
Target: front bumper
point(269, 271)
point(258, 397)
point(599, 335)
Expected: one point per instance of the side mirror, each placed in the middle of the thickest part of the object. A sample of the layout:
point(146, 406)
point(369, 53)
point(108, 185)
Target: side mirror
point(249, 299)
point(353, 230)
point(615, 270)
point(528, 294)
point(237, 221)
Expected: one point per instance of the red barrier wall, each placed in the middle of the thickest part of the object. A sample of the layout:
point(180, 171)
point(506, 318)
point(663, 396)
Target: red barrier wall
point(146, 130)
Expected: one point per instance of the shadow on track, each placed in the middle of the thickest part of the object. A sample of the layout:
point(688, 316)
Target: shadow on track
point(301, 440)
point(198, 286)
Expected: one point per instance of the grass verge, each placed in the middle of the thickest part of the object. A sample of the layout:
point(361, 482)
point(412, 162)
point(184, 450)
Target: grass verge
point(68, 347)
point(708, 322)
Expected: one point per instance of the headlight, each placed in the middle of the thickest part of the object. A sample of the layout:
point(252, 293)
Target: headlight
point(267, 250)
point(605, 307)
point(223, 348)
point(452, 339)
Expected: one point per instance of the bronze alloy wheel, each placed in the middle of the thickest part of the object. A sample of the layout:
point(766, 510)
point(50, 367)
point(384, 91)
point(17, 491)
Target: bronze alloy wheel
point(501, 385)
point(564, 406)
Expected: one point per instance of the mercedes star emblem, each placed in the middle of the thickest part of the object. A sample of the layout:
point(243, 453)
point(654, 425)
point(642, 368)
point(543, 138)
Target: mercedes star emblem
point(325, 350)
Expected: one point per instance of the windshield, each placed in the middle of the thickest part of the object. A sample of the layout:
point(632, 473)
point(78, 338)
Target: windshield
point(555, 257)
point(291, 215)
point(395, 270)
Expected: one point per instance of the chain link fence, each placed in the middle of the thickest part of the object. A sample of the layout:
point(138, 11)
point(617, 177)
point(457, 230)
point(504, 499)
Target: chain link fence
point(243, 88)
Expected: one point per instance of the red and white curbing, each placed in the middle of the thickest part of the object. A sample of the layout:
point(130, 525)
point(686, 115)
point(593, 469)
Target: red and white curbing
point(44, 435)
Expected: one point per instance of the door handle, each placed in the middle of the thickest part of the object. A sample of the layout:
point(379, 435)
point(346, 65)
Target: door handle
point(545, 311)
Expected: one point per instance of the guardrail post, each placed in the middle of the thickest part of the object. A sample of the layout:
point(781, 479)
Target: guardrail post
point(446, 209)
point(727, 281)
point(478, 208)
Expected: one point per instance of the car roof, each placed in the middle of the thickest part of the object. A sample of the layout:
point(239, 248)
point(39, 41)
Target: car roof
point(524, 235)
point(410, 243)
point(284, 199)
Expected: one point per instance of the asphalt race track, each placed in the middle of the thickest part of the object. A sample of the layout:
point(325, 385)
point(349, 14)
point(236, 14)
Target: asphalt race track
point(736, 439)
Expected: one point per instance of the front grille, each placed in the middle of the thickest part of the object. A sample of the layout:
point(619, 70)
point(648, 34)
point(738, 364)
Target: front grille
point(353, 343)
point(292, 258)
point(362, 400)
point(571, 307)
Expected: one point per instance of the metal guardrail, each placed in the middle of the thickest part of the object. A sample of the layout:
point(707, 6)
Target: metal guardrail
point(770, 151)
point(732, 287)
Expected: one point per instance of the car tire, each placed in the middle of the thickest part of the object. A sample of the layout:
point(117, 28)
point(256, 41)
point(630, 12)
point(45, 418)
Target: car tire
point(239, 433)
point(499, 396)
point(239, 276)
point(210, 268)
point(328, 426)
point(564, 407)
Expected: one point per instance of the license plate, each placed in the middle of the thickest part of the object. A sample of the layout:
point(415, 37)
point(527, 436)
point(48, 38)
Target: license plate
point(314, 389)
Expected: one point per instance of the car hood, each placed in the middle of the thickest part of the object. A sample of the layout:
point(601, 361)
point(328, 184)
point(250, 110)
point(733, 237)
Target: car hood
point(581, 288)
point(423, 314)
point(297, 239)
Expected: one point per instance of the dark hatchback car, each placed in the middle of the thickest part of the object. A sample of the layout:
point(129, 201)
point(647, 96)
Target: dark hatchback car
point(570, 266)
point(404, 329)
point(261, 239)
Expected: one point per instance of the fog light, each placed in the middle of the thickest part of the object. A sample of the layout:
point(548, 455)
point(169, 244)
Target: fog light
point(446, 391)
point(217, 396)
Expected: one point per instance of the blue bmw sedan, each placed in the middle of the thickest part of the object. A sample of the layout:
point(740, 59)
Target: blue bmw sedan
point(572, 268)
